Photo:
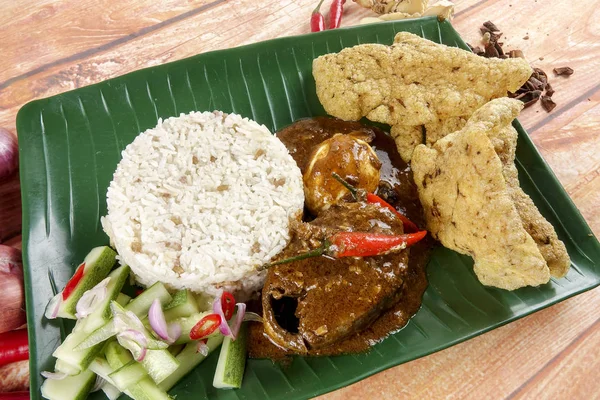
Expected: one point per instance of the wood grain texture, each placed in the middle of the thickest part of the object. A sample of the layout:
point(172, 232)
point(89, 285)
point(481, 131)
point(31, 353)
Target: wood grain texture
point(50, 46)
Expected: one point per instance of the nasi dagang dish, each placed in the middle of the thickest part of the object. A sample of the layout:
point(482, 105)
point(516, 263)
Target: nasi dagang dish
point(312, 241)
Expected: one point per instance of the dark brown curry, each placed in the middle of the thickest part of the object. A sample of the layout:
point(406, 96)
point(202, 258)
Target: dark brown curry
point(326, 307)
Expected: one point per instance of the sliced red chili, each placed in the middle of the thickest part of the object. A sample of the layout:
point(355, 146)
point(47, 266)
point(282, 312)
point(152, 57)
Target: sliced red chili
point(205, 326)
point(72, 284)
point(228, 305)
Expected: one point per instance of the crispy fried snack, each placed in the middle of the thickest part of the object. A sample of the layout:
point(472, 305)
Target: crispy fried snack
point(413, 83)
point(470, 207)
point(497, 116)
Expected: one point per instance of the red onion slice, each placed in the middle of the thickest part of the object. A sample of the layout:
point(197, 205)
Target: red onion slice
point(57, 376)
point(90, 300)
point(135, 342)
point(157, 320)
point(53, 306)
point(224, 328)
point(218, 309)
point(239, 318)
point(202, 347)
point(156, 317)
point(174, 331)
point(125, 320)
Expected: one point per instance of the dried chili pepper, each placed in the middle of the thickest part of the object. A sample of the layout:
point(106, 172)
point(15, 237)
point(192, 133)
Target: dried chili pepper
point(317, 21)
point(335, 13)
point(372, 198)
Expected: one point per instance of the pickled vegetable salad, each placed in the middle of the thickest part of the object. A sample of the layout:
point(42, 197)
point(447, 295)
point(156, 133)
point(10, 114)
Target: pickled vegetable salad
point(143, 346)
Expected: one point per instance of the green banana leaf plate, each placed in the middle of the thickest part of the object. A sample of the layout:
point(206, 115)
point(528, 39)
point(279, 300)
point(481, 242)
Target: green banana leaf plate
point(70, 145)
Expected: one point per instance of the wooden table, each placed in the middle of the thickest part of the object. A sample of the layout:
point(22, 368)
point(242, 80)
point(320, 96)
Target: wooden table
point(52, 46)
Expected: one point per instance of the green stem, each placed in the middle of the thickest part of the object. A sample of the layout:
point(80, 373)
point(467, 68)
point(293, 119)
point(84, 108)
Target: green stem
point(319, 251)
point(344, 183)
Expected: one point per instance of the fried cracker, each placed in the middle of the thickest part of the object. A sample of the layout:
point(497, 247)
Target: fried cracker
point(469, 208)
point(414, 82)
point(504, 140)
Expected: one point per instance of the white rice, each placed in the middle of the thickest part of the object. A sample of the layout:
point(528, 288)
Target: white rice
point(202, 200)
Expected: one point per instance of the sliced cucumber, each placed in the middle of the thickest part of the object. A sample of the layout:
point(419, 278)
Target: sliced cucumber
point(71, 361)
point(189, 358)
point(66, 368)
point(176, 349)
point(158, 363)
point(139, 306)
point(101, 368)
point(146, 389)
point(183, 305)
point(111, 391)
point(232, 361)
point(204, 302)
point(98, 264)
point(123, 299)
point(102, 314)
point(116, 355)
point(71, 388)
point(128, 375)
point(75, 361)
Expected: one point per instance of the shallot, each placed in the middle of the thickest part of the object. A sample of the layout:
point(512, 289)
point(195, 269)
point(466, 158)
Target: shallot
point(9, 154)
point(12, 296)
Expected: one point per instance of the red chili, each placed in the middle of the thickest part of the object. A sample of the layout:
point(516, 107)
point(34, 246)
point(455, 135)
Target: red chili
point(363, 244)
point(14, 346)
point(357, 244)
point(372, 198)
point(72, 284)
point(14, 396)
point(205, 326)
point(317, 21)
point(336, 10)
point(228, 305)
point(409, 226)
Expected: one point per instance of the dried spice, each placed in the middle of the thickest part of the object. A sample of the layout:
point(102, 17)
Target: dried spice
point(563, 71)
point(548, 103)
point(537, 86)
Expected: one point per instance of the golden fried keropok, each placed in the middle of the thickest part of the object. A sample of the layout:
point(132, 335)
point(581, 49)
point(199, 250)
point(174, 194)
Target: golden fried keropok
point(471, 207)
point(424, 90)
point(497, 116)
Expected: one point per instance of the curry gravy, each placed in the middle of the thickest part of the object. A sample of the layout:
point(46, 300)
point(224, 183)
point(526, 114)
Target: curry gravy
point(396, 187)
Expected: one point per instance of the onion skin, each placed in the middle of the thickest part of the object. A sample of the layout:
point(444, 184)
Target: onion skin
point(10, 209)
point(12, 294)
point(9, 154)
point(14, 376)
point(14, 396)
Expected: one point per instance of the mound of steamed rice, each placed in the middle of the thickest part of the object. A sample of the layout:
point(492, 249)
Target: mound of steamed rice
point(202, 200)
